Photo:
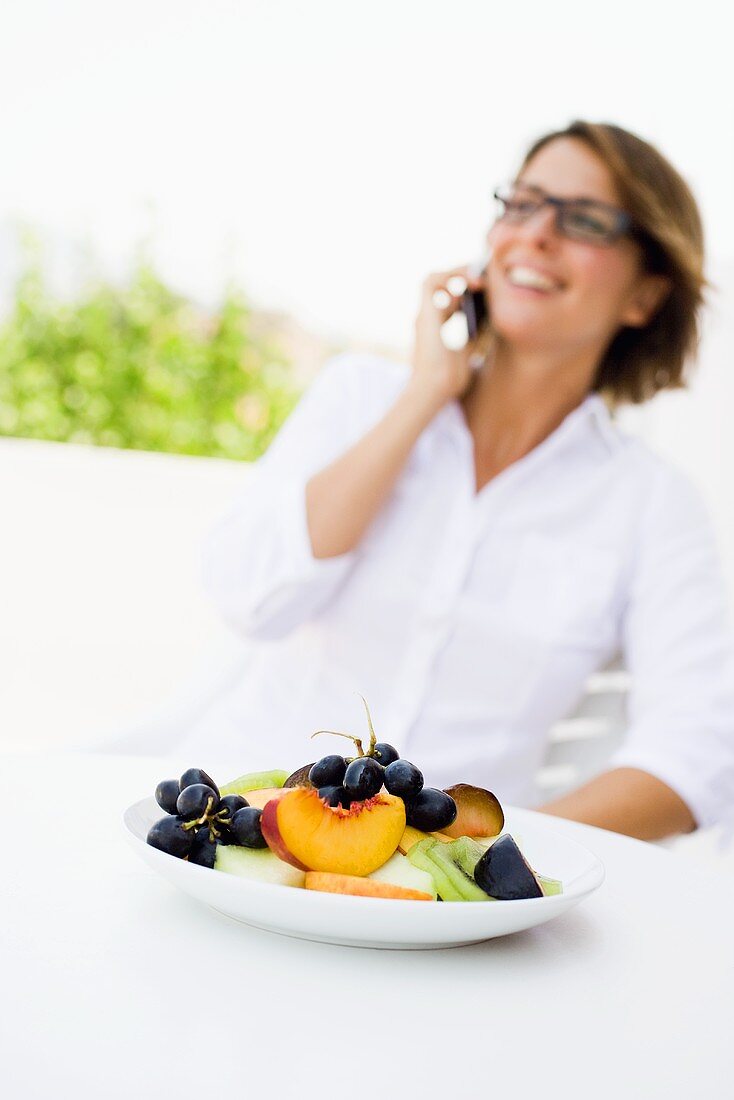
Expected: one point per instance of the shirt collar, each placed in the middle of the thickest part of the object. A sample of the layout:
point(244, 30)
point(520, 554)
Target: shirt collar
point(592, 412)
point(598, 411)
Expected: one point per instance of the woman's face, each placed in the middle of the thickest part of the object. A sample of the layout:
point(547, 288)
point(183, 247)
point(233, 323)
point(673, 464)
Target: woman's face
point(597, 289)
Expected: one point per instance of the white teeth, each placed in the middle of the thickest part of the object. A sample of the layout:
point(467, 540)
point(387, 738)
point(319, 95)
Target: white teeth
point(526, 276)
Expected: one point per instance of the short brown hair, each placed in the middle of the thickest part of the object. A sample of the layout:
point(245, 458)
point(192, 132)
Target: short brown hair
point(667, 225)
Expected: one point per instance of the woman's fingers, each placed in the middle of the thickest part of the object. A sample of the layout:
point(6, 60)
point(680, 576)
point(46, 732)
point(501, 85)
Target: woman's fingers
point(441, 278)
point(443, 289)
point(444, 303)
point(442, 292)
point(455, 281)
point(436, 365)
point(442, 283)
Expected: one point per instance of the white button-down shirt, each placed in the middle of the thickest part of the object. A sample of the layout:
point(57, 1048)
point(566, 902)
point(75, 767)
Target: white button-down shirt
point(470, 621)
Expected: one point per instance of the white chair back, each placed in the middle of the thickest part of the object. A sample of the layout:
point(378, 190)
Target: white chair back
point(581, 744)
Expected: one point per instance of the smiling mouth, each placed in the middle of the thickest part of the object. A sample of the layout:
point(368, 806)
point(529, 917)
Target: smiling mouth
point(529, 279)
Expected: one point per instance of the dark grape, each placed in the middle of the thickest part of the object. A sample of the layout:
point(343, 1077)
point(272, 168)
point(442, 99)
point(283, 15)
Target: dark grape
point(197, 775)
point(245, 828)
point(363, 778)
point(194, 800)
point(230, 804)
point(335, 796)
point(328, 771)
point(431, 810)
point(386, 754)
point(169, 835)
point(166, 794)
point(403, 779)
point(204, 849)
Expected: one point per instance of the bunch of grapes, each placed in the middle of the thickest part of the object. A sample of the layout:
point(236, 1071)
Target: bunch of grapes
point(199, 819)
point(342, 781)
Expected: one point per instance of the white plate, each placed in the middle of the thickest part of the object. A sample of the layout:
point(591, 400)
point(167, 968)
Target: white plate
point(380, 922)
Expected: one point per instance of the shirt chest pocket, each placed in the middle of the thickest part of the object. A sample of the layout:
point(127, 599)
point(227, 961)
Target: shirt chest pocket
point(564, 591)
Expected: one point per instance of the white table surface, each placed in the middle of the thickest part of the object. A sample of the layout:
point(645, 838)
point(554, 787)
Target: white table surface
point(116, 985)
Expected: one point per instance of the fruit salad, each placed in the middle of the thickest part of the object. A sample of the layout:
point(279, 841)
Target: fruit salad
point(364, 825)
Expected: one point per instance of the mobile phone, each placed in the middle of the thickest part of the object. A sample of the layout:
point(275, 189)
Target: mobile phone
point(474, 303)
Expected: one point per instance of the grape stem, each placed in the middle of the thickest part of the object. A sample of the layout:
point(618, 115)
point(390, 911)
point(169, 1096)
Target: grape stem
point(373, 735)
point(222, 819)
point(357, 741)
point(207, 816)
point(336, 733)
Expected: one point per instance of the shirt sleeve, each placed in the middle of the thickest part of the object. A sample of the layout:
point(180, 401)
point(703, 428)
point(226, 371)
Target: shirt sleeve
point(678, 648)
point(258, 567)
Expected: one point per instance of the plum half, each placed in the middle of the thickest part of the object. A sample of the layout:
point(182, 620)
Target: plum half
point(299, 778)
point(504, 873)
point(478, 812)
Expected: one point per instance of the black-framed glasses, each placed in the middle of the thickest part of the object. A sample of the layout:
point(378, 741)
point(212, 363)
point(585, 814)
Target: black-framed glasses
point(585, 220)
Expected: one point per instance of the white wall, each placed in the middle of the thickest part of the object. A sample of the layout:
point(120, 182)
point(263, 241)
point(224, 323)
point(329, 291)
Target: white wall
point(693, 428)
point(102, 615)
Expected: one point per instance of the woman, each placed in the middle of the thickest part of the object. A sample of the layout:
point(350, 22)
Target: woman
point(465, 546)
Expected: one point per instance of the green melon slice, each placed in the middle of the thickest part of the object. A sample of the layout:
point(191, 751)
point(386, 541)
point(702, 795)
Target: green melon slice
point(257, 863)
point(399, 871)
point(254, 781)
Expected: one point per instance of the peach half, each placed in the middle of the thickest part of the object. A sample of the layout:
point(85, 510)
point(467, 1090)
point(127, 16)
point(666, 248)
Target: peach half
point(304, 830)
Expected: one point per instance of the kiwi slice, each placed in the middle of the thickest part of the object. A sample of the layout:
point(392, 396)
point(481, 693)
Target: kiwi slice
point(550, 886)
point(452, 884)
point(466, 853)
point(464, 885)
point(419, 857)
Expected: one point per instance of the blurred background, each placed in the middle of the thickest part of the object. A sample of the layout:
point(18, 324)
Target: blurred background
point(200, 203)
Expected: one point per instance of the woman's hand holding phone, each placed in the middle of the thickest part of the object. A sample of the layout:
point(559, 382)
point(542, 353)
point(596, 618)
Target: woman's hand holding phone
point(441, 373)
point(343, 499)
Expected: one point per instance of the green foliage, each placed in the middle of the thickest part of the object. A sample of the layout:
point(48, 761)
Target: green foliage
point(139, 367)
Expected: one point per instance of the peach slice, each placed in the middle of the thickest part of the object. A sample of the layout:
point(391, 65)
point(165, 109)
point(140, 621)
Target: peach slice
point(479, 812)
point(259, 799)
point(305, 831)
point(360, 887)
point(412, 835)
